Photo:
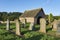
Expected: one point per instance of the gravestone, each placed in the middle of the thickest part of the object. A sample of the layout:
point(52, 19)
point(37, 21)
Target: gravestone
point(31, 27)
point(18, 29)
point(8, 25)
point(24, 23)
point(42, 25)
point(58, 28)
point(55, 25)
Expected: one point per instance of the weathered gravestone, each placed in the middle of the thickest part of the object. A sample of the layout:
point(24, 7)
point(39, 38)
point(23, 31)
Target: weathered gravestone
point(56, 26)
point(18, 29)
point(8, 25)
point(24, 23)
point(31, 27)
point(42, 25)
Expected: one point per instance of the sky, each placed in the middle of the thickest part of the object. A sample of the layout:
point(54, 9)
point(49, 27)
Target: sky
point(49, 6)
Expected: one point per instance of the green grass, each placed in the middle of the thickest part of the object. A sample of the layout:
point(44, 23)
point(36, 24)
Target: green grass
point(28, 35)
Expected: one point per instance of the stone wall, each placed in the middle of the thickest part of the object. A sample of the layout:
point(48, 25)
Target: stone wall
point(28, 19)
point(6, 22)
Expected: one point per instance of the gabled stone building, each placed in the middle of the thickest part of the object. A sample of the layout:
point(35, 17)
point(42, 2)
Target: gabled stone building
point(32, 16)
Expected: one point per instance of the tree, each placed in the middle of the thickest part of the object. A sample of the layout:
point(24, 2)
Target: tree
point(0, 16)
point(14, 15)
point(57, 17)
point(50, 18)
point(11, 16)
point(3, 16)
point(47, 17)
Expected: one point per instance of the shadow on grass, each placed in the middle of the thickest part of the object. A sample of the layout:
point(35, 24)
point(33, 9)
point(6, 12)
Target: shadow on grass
point(38, 37)
point(24, 32)
point(36, 29)
point(6, 33)
point(48, 29)
point(11, 39)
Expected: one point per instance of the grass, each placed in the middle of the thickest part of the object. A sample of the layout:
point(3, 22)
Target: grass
point(28, 35)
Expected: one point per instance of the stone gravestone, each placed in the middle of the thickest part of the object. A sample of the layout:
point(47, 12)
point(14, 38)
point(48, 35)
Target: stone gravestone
point(8, 25)
point(31, 27)
point(24, 23)
point(17, 27)
point(42, 25)
point(58, 28)
point(54, 25)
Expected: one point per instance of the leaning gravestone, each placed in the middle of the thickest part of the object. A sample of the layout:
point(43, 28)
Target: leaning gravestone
point(31, 26)
point(18, 29)
point(8, 25)
point(43, 25)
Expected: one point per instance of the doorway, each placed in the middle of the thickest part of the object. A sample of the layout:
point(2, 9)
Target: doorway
point(38, 20)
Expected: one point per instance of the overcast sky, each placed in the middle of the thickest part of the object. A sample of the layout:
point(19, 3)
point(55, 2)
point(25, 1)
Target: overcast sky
point(49, 6)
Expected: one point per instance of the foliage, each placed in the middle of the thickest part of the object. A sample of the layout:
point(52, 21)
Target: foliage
point(12, 15)
point(50, 18)
point(3, 15)
point(56, 17)
point(47, 17)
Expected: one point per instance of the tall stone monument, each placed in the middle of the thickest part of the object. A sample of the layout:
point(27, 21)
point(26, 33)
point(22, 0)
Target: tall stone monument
point(18, 29)
point(8, 25)
point(55, 24)
point(42, 25)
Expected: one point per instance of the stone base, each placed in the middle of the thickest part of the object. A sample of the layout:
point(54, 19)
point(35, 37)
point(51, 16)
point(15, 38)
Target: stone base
point(42, 31)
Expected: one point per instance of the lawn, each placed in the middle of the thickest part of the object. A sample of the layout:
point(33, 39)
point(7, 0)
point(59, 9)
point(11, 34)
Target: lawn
point(27, 35)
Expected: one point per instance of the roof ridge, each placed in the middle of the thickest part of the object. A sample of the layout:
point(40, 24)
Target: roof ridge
point(33, 9)
point(31, 13)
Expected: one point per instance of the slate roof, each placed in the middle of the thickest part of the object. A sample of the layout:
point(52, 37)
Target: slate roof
point(31, 13)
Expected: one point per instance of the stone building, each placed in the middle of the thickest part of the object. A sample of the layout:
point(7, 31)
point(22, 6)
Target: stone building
point(32, 16)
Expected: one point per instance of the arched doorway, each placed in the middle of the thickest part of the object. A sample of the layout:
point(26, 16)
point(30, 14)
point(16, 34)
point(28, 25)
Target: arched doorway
point(38, 20)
